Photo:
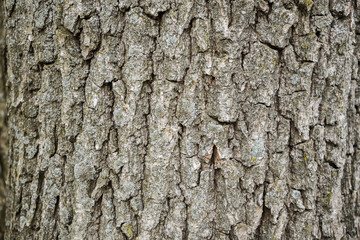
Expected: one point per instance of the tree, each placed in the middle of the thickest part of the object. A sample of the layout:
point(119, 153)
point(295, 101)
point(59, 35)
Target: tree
point(183, 119)
point(3, 127)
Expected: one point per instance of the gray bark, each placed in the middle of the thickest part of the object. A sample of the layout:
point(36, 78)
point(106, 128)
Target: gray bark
point(183, 119)
point(3, 126)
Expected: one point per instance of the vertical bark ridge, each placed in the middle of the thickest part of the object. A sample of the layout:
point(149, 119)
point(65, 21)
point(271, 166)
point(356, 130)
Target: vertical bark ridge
point(3, 124)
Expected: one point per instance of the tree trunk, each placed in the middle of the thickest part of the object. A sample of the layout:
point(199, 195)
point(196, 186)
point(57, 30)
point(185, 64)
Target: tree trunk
point(183, 119)
point(3, 127)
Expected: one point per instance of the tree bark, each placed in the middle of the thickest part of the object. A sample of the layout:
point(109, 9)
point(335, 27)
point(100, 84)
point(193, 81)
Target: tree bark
point(183, 119)
point(3, 126)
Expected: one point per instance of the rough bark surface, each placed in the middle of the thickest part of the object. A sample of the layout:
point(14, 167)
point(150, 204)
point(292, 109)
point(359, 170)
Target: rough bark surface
point(3, 127)
point(184, 119)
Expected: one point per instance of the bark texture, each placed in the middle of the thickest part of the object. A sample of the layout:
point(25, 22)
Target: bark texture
point(3, 126)
point(206, 119)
